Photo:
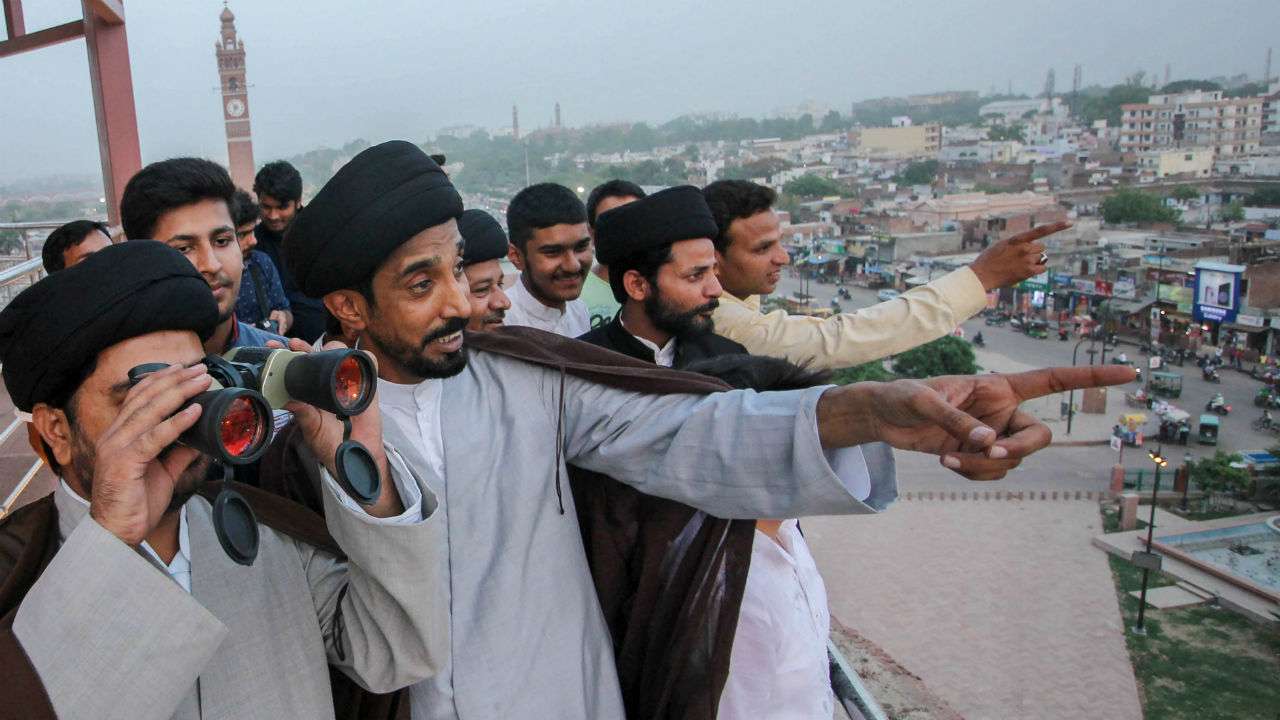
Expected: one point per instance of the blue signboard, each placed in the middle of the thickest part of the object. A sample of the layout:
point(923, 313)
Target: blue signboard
point(1217, 295)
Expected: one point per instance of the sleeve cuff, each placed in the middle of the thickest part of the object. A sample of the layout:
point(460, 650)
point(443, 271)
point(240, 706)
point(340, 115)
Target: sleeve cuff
point(417, 506)
point(963, 292)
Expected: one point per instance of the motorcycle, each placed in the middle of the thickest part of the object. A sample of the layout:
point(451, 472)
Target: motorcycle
point(1062, 334)
point(835, 306)
point(979, 341)
point(844, 294)
point(1210, 374)
point(1266, 423)
point(1217, 405)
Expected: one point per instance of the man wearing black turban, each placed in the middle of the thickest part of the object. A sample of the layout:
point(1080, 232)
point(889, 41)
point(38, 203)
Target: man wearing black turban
point(116, 599)
point(484, 246)
point(494, 432)
point(662, 269)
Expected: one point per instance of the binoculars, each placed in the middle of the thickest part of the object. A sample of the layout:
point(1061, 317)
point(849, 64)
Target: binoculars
point(236, 422)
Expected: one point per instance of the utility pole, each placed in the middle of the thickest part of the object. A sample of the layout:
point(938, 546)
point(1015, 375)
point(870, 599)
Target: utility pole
point(1157, 457)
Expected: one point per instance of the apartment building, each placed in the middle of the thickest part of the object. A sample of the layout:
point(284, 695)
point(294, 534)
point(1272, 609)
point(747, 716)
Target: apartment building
point(1229, 127)
point(912, 141)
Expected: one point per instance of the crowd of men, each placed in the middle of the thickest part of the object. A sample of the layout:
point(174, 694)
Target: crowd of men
point(592, 471)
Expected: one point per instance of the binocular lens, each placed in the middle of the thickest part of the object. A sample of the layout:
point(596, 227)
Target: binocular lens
point(349, 383)
point(242, 427)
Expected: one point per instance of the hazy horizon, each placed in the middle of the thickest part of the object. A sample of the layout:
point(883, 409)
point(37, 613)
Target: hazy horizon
point(322, 76)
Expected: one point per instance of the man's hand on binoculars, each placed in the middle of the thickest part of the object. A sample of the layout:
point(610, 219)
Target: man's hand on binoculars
point(323, 434)
point(132, 484)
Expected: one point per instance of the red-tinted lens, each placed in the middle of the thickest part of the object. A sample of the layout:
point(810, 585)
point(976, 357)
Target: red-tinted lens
point(349, 382)
point(241, 428)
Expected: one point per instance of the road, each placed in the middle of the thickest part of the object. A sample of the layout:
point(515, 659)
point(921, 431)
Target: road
point(1083, 468)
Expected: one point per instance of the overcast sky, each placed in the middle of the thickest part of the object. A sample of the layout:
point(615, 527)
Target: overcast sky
point(324, 72)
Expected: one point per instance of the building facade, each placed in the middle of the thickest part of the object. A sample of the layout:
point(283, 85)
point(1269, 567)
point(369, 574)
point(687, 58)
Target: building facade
point(1229, 127)
point(911, 141)
point(229, 51)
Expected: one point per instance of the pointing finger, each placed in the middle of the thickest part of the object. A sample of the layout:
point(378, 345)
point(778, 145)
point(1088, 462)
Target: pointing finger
point(1038, 232)
point(1038, 383)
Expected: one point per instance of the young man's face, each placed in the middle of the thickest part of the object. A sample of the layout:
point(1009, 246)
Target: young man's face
point(246, 239)
point(753, 262)
point(96, 405)
point(489, 303)
point(203, 232)
point(276, 213)
point(420, 307)
point(555, 262)
point(688, 290)
point(93, 241)
point(609, 203)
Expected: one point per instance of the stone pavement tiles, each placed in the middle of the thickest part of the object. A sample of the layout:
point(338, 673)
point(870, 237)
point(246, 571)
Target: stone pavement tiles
point(1003, 608)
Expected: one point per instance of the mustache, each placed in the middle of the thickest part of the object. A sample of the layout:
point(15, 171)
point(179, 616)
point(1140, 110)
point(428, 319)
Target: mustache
point(450, 326)
point(559, 275)
point(497, 316)
point(705, 308)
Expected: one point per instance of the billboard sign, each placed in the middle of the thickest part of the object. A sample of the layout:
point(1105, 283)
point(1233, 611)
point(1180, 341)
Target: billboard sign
point(1217, 291)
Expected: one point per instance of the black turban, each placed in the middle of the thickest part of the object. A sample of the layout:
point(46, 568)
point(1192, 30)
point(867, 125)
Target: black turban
point(52, 330)
point(663, 218)
point(482, 237)
point(373, 205)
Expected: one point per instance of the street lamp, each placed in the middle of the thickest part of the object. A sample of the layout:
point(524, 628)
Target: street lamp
point(1186, 478)
point(1158, 458)
point(1071, 394)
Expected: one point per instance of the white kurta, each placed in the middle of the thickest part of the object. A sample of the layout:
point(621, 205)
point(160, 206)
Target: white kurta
point(527, 311)
point(527, 635)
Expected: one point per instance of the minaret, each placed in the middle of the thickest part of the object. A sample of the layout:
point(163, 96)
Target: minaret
point(235, 102)
point(558, 125)
point(515, 123)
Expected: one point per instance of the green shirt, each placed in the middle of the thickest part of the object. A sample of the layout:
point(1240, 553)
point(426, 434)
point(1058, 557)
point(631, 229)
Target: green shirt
point(598, 297)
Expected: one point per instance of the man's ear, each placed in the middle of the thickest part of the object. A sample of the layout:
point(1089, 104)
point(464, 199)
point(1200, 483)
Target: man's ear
point(636, 286)
point(350, 307)
point(515, 256)
point(55, 431)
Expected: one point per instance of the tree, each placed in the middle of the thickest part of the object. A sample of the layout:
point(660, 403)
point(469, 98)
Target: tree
point(1266, 197)
point(873, 371)
point(1183, 86)
point(1232, 212)
point(1127, 205)
point(811, 186)
point(1006, 132)
point(1217, 476)
point(832, 122)
point(948, 355)
point(1186, 192)
point(919, 173)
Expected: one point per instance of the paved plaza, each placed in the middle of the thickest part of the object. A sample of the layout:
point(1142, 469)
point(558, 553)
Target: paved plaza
point(1002, 608)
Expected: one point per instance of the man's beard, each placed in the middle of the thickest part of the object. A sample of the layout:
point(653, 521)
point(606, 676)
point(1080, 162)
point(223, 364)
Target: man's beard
point(676, 323)
point(201, 471)
point(412, 359)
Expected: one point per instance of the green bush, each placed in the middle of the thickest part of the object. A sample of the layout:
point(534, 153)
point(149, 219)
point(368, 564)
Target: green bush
point(948, 355)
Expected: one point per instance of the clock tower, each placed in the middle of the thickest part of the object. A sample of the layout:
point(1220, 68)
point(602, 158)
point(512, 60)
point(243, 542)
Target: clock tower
point(235, 102)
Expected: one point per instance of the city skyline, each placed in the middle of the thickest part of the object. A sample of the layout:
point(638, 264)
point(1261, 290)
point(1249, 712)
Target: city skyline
point(354, 83)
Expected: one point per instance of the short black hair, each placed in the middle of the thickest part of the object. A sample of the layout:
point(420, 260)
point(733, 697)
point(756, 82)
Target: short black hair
point(647, 262)
point(168, 184)
point(731, 200)
point(244, 209)
point(760, 373)
point(280, 180)
point(612, 188)
point(541, 206)
point(65, 238)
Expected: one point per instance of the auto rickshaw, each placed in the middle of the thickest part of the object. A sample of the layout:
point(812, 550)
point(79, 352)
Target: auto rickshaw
point(996, 317)
point(1038, 329)
point(1129, 430)
point(1167, 384)
point(1175, 426)
point(1208, 430)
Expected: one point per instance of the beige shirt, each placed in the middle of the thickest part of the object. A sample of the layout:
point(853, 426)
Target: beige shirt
point(847, 339)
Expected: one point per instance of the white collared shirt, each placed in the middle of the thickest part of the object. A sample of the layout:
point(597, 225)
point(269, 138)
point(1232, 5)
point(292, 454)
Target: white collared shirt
point(416, 410)
point(778, 666)
point(528, 311)
point(664, 356)
point(180, 567)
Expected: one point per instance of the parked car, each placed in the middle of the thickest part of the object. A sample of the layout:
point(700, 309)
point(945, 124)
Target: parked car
point(886, 295)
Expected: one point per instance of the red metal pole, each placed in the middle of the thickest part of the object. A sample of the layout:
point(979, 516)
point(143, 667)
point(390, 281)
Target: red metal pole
point(113, 107)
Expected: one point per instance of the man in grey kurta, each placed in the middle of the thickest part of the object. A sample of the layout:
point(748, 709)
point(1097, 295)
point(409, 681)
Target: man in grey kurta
point(139, 612)
point(492, 436)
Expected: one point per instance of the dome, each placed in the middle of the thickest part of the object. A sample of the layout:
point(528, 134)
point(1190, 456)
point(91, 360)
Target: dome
point(226, 15)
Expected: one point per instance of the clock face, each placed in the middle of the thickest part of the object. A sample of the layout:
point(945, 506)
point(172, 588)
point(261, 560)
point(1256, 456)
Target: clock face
point(235, 108)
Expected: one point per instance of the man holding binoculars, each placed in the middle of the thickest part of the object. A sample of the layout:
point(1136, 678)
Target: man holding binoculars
point(125, 605)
